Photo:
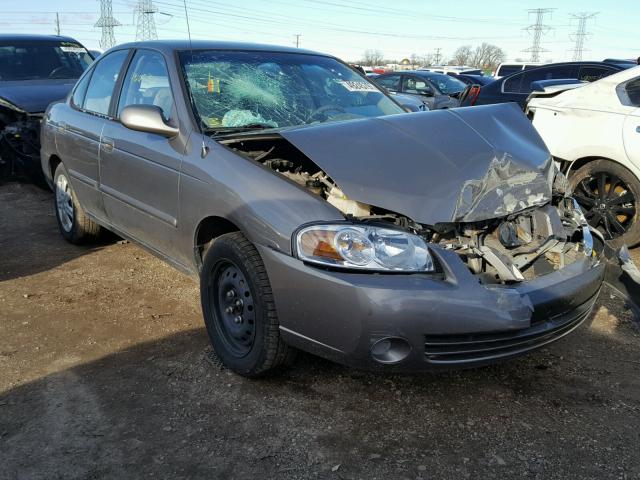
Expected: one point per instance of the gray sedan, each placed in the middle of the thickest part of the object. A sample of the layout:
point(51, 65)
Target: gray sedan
point(437, 90)
point(317, 214)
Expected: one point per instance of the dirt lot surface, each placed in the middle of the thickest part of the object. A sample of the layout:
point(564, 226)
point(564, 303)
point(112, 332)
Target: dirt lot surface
point(104, 374)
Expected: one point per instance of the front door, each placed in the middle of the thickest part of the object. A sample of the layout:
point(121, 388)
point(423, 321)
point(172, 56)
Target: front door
point(140, 171)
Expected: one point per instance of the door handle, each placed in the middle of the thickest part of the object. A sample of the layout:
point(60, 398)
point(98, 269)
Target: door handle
point(107, 144)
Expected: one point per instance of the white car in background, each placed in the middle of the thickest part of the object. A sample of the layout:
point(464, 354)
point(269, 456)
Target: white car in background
point(594, 131)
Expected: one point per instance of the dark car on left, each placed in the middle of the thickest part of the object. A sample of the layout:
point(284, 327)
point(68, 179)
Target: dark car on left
point(35, 70)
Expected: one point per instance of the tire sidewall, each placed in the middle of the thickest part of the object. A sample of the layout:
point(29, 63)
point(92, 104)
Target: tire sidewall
point(632, 236)
point(221, 251)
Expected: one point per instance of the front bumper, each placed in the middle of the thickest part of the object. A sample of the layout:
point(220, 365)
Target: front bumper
point(439, 321)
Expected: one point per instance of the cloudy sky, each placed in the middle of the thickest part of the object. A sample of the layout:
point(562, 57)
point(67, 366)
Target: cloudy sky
point(347, 28)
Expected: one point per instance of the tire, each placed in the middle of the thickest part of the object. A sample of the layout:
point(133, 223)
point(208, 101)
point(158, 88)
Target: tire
point(239, 310)
point(617, 214)
point(73, 223)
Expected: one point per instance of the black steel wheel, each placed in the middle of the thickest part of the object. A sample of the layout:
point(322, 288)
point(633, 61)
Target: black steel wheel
point(238, 308)
point(233, 305)
point(608, 194)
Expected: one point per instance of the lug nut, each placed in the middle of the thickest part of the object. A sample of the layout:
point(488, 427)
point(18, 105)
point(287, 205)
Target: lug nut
point(231, 294)
point(229, 310)
point(238, 303)
point(238, 319)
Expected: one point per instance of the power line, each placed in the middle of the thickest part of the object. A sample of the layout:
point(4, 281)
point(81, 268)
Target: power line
point(437, 56)
point(538, 29)
point(581, 33)
point(106, 22)
point(146, 24)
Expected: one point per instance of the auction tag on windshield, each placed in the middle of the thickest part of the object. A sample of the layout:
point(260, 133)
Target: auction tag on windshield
point(355, 86)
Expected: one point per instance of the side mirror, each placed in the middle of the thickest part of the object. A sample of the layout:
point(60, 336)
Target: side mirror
point(147, 118)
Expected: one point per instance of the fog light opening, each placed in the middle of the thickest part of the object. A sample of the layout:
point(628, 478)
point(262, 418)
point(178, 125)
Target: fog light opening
point(390, 350)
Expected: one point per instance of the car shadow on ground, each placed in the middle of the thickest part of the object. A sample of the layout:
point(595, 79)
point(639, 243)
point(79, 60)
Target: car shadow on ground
point(38, 247)
point(162, 409)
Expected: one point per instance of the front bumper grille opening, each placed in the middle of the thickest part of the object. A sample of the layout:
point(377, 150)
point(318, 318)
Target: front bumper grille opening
point(460, 349)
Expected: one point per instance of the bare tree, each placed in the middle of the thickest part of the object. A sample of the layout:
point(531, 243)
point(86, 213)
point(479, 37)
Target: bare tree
point(487, 56)
point(372, 58)
point(462, 55)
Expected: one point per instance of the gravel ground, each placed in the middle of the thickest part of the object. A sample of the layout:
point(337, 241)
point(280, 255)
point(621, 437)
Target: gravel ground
point(104, 373)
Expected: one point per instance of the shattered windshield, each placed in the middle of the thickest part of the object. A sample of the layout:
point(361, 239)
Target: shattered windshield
point(243, 90)
point(41, 60)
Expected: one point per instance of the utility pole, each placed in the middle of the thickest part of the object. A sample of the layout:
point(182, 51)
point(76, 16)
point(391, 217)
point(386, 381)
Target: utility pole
point(57, 24)
point(298, 35)
point(580, 35)
point(538, 29)
point(146, 25)
point(106, 22)
point(437, 56)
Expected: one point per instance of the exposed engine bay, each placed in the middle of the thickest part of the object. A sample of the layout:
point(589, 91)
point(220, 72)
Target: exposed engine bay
point(507, 249)
point(19, 143)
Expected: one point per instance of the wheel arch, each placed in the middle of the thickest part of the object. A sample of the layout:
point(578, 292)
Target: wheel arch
point(208, 229)
point(574, 165)
point(54, 161)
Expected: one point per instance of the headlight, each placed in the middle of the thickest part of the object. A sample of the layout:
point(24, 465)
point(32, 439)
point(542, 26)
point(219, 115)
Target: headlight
point(364, 247)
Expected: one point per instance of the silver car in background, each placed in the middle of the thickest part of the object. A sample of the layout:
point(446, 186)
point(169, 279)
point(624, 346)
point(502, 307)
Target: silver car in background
point(317, 214)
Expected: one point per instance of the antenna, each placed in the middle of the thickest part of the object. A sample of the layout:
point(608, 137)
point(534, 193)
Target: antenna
point(204, 150)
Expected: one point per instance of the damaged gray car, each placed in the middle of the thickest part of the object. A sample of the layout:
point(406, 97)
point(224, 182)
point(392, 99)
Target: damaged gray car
point(318, 215)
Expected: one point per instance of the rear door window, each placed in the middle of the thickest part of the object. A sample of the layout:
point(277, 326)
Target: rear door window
point(591, 74)
point(543, 73)
point(391, 83)
point(416, 86)
point(629, 92)
point(506, 70)
point(102, 83)
point(80, 91)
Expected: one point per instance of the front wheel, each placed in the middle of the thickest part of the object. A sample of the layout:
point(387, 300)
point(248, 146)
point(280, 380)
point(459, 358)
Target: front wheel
point(609, 195)
point(239, 309)
point(73, 223)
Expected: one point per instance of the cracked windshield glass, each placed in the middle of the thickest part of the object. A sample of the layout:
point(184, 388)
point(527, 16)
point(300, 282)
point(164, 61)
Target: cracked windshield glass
point(246, 90)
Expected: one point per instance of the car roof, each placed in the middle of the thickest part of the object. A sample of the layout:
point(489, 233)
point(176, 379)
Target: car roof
point(425, 73)
point(21, 37)
point(169, 46)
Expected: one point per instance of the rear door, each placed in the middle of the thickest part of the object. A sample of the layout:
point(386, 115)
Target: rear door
point(389, 82)
point(140, 170)
point(79, 132)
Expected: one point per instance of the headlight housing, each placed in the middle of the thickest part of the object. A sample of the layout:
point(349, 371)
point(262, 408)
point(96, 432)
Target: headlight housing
point(364, 248)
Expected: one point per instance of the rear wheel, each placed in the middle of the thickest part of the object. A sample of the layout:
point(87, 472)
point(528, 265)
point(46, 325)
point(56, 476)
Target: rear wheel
point(73, 223)
point(238, 308)
point(609, 194)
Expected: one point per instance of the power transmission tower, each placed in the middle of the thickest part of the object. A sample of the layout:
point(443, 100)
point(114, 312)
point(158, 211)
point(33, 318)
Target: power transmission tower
point(106, 22)
point(437, 56)
point(538, 29)
point(146, 25)
point(298, 35)
point(580, 35)
point(57, 24)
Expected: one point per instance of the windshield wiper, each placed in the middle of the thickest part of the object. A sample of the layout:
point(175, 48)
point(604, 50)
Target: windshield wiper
point(242, 128)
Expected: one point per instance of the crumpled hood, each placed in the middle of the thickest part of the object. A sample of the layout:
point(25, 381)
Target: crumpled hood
point(33, 96)
point(463, 165)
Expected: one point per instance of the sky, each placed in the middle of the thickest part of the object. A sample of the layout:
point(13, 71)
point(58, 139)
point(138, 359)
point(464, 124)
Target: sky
point(346, 28)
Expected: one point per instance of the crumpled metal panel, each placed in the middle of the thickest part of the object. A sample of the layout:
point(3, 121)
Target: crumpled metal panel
point(460, 165)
